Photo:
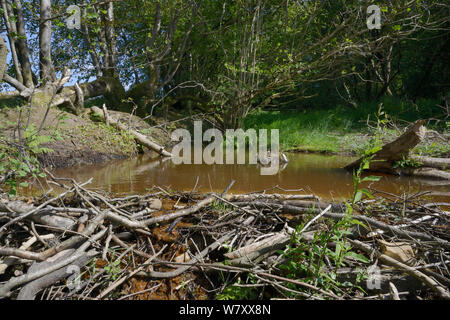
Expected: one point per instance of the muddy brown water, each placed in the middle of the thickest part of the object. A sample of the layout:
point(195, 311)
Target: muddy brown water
point(312, 173)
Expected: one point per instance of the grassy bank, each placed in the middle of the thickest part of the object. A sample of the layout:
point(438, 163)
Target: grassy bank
point(345, 130)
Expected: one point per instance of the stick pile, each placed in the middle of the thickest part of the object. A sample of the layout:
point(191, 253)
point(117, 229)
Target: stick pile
point(82, 244)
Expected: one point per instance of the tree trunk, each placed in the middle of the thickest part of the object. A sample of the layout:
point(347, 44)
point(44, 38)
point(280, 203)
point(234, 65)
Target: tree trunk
point(24, 53)
point(3, 56)
point(47, 71)
point(11, 30)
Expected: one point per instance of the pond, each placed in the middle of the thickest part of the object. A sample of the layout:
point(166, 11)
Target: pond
point(312, 173)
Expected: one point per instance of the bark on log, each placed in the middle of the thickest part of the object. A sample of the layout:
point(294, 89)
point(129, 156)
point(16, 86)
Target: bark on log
point(142, 139)
point(438, 163)
point(3, 56)
point(20, 208)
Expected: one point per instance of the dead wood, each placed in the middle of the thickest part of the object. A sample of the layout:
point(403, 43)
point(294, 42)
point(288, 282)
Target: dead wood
point(437, 163)
point(142, 139)
point(386, 159)
point(30, 290)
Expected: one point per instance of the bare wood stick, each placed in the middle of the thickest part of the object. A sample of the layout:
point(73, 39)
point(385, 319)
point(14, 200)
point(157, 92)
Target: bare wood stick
point(31, 289)
point(11, 260)
point(5, 290)
point(21, 254)
point(118, 282)
point(4, 206)
point(180, 213)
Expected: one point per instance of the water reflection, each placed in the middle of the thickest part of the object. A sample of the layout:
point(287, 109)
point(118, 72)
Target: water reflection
point(320, 174)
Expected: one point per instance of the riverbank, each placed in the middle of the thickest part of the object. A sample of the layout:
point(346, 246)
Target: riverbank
point(347, 131)
point(68, 140)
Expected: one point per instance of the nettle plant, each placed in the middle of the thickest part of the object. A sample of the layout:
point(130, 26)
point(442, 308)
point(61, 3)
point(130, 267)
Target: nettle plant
point(18, 159)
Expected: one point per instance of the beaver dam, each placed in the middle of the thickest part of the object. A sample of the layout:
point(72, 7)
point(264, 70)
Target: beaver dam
point(118, 234)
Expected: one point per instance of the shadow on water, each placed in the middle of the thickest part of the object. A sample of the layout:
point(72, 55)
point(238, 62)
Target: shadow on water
point(320, 174)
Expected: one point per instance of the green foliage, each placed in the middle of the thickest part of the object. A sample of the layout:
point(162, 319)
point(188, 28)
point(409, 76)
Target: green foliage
point(18, 160)
point(309, 261)
point(236, 292)
point(113, 269)
point(407, 162)
point(358, 179)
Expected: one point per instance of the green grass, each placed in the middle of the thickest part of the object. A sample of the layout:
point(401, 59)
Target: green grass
point(321, 131)
point(344, 129)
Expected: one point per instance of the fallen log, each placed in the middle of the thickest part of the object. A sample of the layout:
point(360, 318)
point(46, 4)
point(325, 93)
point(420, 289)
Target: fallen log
point(385, 160)
point(17, 209)
point(396, 150)
point(426, 173)
point(438, 163)
point(142, 139)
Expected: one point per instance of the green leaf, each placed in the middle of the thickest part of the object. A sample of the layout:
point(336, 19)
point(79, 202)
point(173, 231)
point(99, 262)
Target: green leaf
point(358, 196)
point(21, 173)
point(357, 256)
point(354, 221)
point(366, 192)
point(24, 184)
point(371, 178)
